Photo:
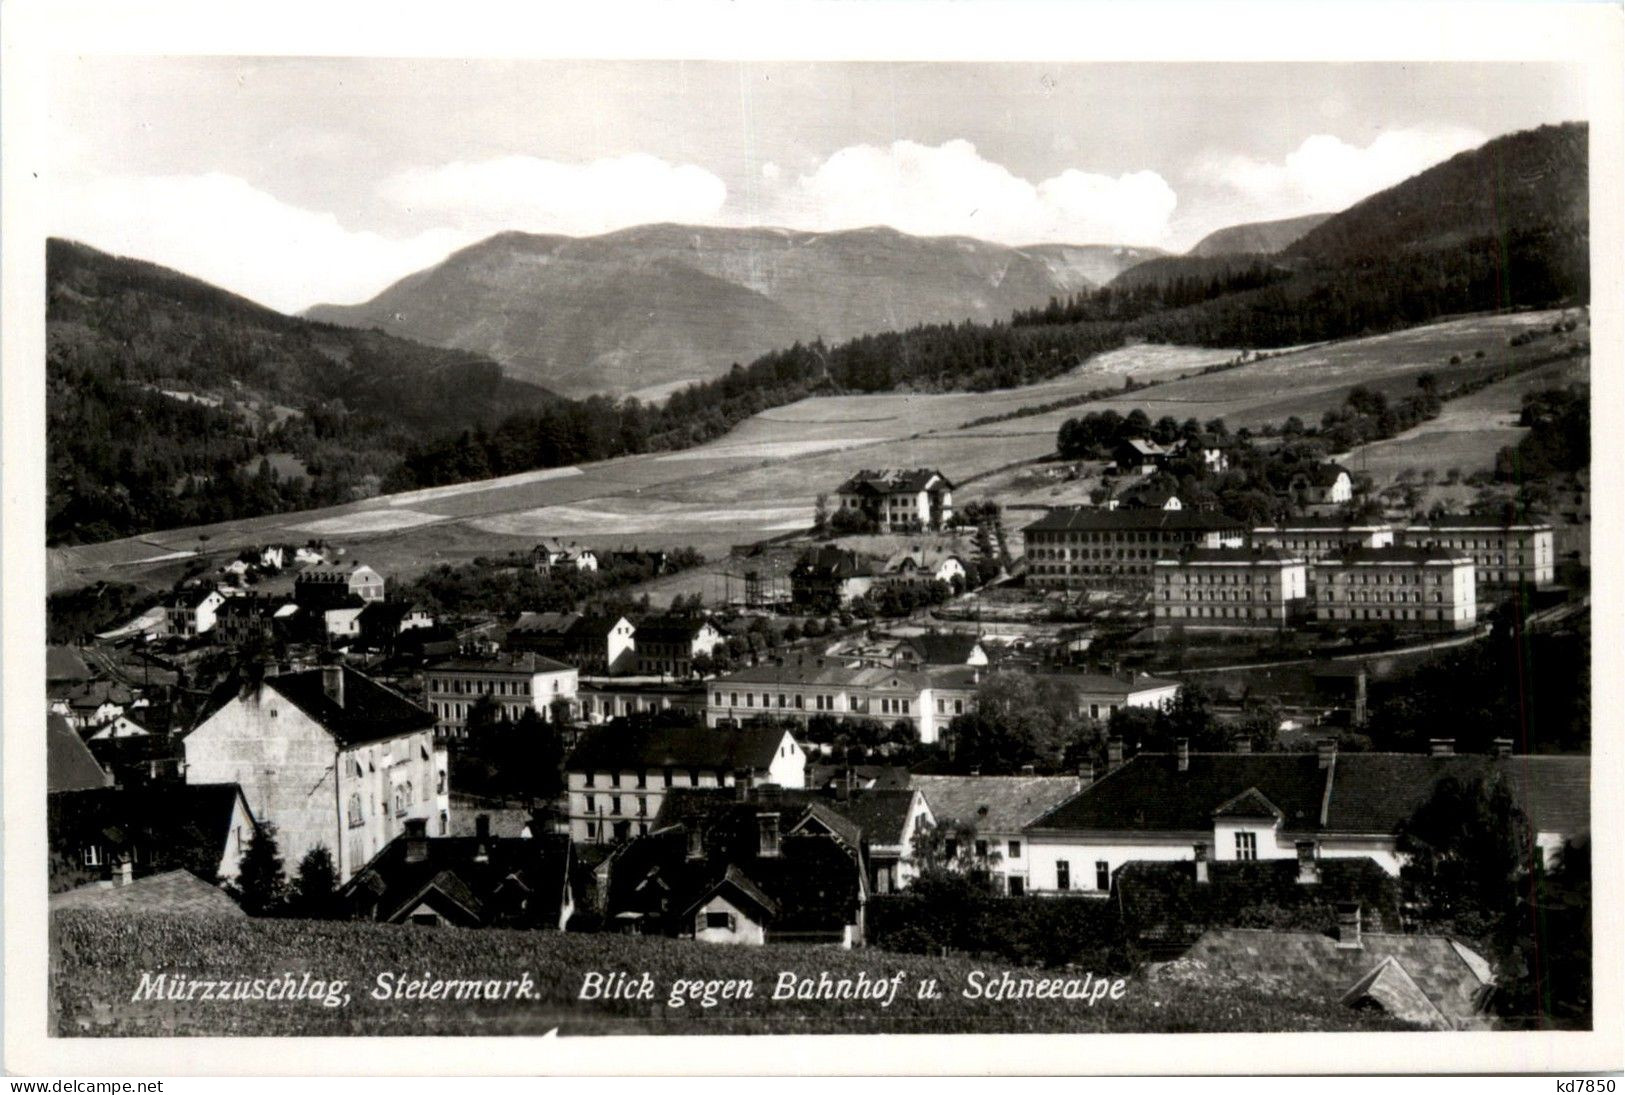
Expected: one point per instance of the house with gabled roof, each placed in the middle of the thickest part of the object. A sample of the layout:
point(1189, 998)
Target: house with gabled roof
point(918, 564)
point(1220, 807)
point(1325, 484)
point(323, 585)
point(552, 554)
point(899, 499)
point(465, 881)
point(667, 645)
point(190, 612)
point(115, 834)
point(329, 756)
point(996, 809)
point(940, 648)
point(827, 577)
point(593, 644)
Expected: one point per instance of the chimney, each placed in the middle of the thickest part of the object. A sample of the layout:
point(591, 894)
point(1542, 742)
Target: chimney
point(742, 784)
point(1182, 750)
point(1200, 851)
point(1503, 747)
point(1244, 745)
point(333, 683)
point(1114, 753)
point(1326, 750)
point(1308, 865)
point(1086, 774)
point(1348, 926)
point(767, 826)
point(417, 839)
point(1359, 698)
point(696, 843)
point(1441, 747)
point(482, 826)
point(1027, 770)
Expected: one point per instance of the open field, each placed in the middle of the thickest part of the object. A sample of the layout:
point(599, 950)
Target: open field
point(761, 478)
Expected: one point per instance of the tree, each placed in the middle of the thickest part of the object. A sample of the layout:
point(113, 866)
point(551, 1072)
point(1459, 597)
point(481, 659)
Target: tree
point(1464, 847)
point(1019, 720)
point(947, 855)
point(820, 513)
point(316, 885)
point(260, 879)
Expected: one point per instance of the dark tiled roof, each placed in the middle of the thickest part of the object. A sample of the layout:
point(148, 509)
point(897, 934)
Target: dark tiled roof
point(667, 629)
point(186, 822)
point(545, 623)
point(994, 804)
point(944, 647)
point(507, 663)
point(69, 765)
point(881, 776)
point(1250, 803)
point(1472, 522)
point(1310, 964)
point(1323, 475)
point(875, 815)
point(1231, 556)
point(1103, 684)
point(1092, 519)
point(1374, 792)
point(831, 563)
point(498, 878)
point(679, 747)
point(370, 711)
point(1323, 524)
point(892, 480)
point(178, 893)
point(1162, 901)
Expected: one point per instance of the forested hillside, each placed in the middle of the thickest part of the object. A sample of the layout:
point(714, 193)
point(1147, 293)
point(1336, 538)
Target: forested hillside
point(171, 402)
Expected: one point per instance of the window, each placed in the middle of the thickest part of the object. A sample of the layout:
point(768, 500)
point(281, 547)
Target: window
point(614, 779)
point(1018, 885)
point(1246, 846)
point(403, 798)
point(643, 780)
point(440, 783)
point(1015, 849)
point(592, 807)
point(357, 818)
point(981, 849)
point(1103, 875)
point(1063, 875)
point(614, 804)
point(643, 806)
point(719, 921)
point(93, 855)
point(592, 830)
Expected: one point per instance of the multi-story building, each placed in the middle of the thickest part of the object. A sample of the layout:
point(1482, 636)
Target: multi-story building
point(667, 646)
point(803, 687)
point(191, 612)
point(516, 683)
point(1315, 538)
point(900, 499)
point(1229, 587)
point(602, 700)
point(1082, 547)
point(1421, 587)
point(993, 811)
point(330, 757)
point(1320, 485)
point(1505, 553)
point(616, 779)
point(332, 584)
point(1101, 695)
point(593, 644)
point(824, 578)
point(556, 554)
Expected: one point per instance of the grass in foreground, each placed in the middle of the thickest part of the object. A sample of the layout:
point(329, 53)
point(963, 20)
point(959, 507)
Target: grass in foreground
point(97, 962)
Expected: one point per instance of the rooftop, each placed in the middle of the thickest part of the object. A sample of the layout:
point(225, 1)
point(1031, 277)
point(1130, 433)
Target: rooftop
point(369, 711)
point(753, 748)
point(524, 663)
point(172, 892)
point(994, 804)
point(1397, 556)
point(1093, 519)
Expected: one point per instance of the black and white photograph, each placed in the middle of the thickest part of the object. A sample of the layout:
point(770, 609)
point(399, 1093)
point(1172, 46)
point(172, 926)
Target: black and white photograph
point(645, 547)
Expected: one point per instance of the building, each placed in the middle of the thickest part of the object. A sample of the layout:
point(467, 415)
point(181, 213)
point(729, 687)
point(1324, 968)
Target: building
point(995, 809)
point(899, 499)
point(325, 585)
point(330, 757)
point(803, 687)
point(93, 703)
point(617, 779)
point(342, 625)
point(939, 648)
point(383, 622)
point(552, 554)
point(602, 700)
point(69, 763)
point(474, 881)
point(192, 612)
point(593, 644)
point(248, 619)
point(667, 645)
point(1081, 547)
point(1217, 807)
point(111, 834)
point(1100, 695)
point(750, 871)
point(514, 683)
point(918, 564)
point(1229, 588)
point(1430, 980)
point(1411, 587)
point(1315, 538)
point(1141, 455)
point(1505, 553)
point(825, 578)
point(1320, 485)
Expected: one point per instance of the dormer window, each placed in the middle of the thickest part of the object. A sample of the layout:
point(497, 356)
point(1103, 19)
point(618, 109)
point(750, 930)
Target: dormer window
point(1247, 846)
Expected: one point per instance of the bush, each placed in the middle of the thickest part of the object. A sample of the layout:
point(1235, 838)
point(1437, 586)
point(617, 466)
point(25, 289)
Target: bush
point(1032, 931)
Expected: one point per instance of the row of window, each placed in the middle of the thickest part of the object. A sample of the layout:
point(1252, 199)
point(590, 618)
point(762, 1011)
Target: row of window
point(1108, 537)
point(613, 779)
point(621, 830)
point(1389, 578)
point(1227, 577)
point(1381, 614)
point(459, 686)
point(615, 805)
point(1402, 596)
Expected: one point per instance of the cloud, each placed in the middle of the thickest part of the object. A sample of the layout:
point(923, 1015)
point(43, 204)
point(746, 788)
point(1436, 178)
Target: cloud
point(950, 189)
point(1326, 174)
point(534, 195)
point(222, 229)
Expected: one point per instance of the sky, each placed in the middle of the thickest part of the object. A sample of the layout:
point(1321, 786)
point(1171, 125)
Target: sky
point(299, 181)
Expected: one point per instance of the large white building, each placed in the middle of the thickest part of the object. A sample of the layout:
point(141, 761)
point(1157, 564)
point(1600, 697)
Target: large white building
point(617, 779)
point(1229, 588)
point(899, 499)
point(804, 687)
point(516, 683)
point(328, 756)
point(1506, 553)
point(1415, 587)
point(1308, 806)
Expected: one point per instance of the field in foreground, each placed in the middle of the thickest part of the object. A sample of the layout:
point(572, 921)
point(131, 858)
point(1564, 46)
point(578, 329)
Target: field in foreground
point(761, 479)
point(97, 961)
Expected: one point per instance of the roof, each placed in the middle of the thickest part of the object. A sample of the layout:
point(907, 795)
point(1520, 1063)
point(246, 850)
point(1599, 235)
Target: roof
point(1250, 803)
point(1366, 793)
point(509, 663)
point(893, 777)
point(69, 765)
point(944, 647)
point(831, 563)
point(1473, 522)
point(920, 558)
point(1093, 519)
point(1295, 963)
point(994, 804)
point(1397, 556)
point(370, 712)
point(825, 671)
point(179, 893)
point(1226, 556)
point(573, 625)
point(188, 821)
point(680, 747)
point(1144, 446)
point(1161, 901)
point(1321, 475)
point(191, 598)
point(487, 879)
point(669, 629)
point(336, 570)
point(1100, 684)
point(892, 480)
point(876, 815)
point(1324, 523)
point(63, 663)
